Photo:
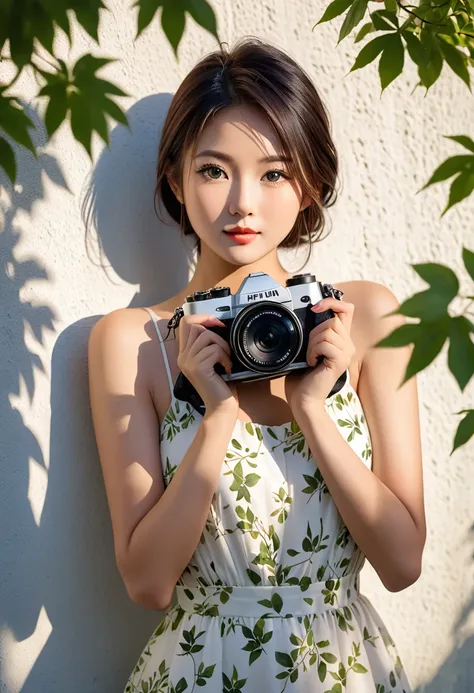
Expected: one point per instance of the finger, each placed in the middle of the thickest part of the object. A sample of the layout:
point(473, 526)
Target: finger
point(314, 346)
point(334, 324)
point(205, 338)
point(187, 321)
point(343, 309)
point(211, 355)
point(329, 351)
point(329, 336)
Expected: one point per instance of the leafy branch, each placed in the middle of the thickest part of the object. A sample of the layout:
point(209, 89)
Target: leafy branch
point(435, 327)
point(73, 93)
point(431, 33)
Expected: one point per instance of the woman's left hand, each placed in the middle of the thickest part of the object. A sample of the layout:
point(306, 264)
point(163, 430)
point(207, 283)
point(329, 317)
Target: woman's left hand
point(332, 340)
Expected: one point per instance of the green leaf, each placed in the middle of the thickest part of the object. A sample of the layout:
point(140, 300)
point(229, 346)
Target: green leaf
point(203, 14)
point(456, 60)
point(322, 670)
point(146, 11)
point(415, 48)
point(392, 60)
point(254, 577)
point(461, 188)
point(57, 109)
point(15, 123)
point(465, 430)
point(336, 8)
point(440, 278)
point(463, 140)
point(426, 305)
point(427, 347)
point(388, 20)
point(468, 259)
point(7, 159)
point(431, 70)
point(277, 602)
point(20, 35)
point(391, 5)
point(43, 26)
point(353, 17)
point(461, 350)
point(450, 167)
point(81, 120)
point(359, 668)
point(366, 29)
point(379, 22)
point(284, 659)
point(173, 22)
point(88, 16)
point(401, 336)
point(328, 657)
point(369, 52)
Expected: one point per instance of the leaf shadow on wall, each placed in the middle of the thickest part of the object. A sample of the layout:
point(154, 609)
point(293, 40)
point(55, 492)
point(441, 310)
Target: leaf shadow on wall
point(21, 558)
point(67, 564)
point(456, 673)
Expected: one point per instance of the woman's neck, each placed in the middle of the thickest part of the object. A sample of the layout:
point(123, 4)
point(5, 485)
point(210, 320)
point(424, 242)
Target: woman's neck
point(212, 270)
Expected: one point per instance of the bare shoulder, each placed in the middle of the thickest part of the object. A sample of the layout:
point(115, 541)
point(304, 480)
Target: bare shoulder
point(373, 303)
point(126, 335)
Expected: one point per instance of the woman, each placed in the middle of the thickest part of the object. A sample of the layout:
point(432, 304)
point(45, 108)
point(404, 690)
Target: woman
point(262, 510)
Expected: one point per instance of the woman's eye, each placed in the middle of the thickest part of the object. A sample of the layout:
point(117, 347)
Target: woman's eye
point(275, 173)
point(214, 170)
point(213, 173)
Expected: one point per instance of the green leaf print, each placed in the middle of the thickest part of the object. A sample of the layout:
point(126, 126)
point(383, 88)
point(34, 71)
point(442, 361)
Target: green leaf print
point(172, 425)
point(370, 638)
point(316, 484)
point(284, 659)
point(329, 658)
point(180, 686)
point(233, 685)
point(254, 577)
point(284, 500)
point(359, 668)
point(306, 653)
point(256, 639)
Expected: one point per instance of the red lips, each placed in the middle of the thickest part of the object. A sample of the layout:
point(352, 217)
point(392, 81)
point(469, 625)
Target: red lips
point(240, 229)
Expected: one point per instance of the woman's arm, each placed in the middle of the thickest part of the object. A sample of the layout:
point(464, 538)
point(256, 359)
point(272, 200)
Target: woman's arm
point(156, 530)
point(383, 508)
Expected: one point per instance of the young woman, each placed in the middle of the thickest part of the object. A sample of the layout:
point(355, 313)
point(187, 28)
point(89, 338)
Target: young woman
point(262, 510)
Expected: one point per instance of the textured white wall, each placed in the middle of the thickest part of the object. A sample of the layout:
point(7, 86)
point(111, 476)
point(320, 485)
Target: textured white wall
point(66, 622)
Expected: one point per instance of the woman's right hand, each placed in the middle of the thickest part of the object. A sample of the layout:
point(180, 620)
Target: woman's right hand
point(199, 350)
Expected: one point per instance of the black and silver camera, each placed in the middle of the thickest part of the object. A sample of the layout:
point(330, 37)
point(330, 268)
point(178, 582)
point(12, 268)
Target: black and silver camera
point(266, 325)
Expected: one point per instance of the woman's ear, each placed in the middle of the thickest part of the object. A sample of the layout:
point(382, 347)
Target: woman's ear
point(174, 187)
point(306, 202)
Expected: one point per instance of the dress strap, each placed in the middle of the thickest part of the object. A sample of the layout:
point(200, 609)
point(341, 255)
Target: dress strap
point(155, 319)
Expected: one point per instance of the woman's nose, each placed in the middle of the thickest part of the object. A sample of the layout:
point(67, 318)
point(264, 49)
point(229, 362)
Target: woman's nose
point(241, 198)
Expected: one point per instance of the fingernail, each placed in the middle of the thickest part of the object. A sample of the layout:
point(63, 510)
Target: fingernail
point(317, 306)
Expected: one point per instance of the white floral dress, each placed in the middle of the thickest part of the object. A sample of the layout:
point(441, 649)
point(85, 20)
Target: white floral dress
point(270, 600)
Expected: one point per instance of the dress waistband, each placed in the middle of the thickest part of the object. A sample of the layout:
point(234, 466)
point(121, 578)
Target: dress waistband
point(268, 601)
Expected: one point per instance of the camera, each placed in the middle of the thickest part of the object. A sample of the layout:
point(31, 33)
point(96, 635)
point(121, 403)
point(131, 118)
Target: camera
point(266, 325)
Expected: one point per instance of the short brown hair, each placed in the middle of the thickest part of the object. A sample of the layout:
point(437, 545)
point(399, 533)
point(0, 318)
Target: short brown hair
point(254, 73)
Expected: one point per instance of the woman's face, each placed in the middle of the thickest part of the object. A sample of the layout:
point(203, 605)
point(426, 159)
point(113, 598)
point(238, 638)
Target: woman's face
point(232, 185)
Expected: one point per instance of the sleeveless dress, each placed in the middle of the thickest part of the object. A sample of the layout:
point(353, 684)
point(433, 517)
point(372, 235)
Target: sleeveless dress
point(270, 600)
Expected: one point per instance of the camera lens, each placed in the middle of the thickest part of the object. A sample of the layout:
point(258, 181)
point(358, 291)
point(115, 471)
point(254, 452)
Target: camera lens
point(266, 336)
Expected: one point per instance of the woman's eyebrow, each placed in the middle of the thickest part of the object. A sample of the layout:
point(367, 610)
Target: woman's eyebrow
point(226, 157)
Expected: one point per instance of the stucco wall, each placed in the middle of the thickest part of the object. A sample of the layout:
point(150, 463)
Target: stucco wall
point(66, 621)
